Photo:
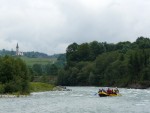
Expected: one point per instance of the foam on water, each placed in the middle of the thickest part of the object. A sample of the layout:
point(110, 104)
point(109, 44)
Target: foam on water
point(79, 100)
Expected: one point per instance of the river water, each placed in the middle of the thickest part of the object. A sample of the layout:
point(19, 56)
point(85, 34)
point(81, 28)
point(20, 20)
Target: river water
point(79, 100)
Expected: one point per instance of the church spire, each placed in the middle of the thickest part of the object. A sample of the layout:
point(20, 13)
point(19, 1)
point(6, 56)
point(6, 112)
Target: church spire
point(17, 46)
point(17, 50)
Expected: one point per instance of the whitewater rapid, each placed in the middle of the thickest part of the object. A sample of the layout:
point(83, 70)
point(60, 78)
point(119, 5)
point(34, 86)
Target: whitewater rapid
point(79, 100)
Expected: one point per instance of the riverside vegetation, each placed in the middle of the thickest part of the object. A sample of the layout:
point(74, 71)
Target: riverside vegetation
point(123, 64)
point(15, 78)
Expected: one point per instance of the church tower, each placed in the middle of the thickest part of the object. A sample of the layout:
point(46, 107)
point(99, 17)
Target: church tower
point(17, 50)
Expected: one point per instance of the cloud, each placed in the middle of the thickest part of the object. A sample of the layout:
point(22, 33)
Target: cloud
point(51, 25)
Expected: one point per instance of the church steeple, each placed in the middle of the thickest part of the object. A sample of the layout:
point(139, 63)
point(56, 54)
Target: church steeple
point(17, 50)
point(17, 46)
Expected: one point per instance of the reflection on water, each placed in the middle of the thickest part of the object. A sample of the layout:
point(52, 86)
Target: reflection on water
point(79, 100)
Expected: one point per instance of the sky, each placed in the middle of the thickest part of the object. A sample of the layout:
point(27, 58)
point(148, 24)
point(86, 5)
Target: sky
point(49, 26)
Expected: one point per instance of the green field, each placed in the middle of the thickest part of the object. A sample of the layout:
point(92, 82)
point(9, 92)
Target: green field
point(43, 61)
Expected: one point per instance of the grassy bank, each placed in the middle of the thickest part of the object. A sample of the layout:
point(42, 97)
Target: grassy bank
point(34, 87)
point(40, 87)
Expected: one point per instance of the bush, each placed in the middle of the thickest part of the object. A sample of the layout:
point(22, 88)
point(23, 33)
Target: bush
point(1, 89)
point(13, 75)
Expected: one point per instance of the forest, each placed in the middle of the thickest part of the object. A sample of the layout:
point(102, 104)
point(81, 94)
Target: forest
point(124, 64)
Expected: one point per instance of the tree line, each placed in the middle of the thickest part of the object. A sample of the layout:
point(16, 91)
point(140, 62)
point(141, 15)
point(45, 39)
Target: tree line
point(28, 54)
point(107, 64)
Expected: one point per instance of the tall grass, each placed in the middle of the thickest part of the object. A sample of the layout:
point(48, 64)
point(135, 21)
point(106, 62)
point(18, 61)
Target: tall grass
point(40, 87)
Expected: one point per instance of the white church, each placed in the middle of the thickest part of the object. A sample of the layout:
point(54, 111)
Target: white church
point(18, 53)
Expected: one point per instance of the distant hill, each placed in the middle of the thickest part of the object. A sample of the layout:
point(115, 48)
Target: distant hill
point(31, 54)
point(4, 52)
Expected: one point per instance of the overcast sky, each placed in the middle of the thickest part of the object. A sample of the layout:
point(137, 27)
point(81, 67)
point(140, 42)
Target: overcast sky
point(49, 26)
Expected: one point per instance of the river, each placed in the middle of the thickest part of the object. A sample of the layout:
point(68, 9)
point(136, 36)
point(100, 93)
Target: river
point(79, 100)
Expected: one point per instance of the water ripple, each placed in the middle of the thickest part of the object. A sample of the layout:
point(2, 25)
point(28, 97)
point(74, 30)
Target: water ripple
point(79, 100)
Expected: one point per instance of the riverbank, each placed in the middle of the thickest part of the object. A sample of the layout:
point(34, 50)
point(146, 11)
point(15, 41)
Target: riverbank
point(40, 87)
point(140, 85)
point(34, 87)
point(11, 96)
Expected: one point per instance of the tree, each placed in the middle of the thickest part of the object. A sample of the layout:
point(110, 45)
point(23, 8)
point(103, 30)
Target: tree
point(71, 54)
point(143, 43)
point(53, 69)
point(37, 68)
point(95, 49)
point(123, 46)
point(14, 75)
point(83, 52)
